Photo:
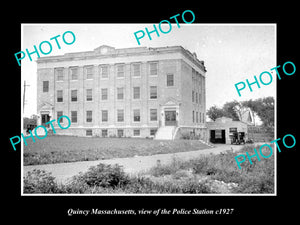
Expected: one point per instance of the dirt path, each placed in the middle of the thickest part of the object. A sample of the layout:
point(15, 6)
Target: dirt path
point(64, 171)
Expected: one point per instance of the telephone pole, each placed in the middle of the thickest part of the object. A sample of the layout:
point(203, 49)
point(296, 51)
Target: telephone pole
point(24, 95)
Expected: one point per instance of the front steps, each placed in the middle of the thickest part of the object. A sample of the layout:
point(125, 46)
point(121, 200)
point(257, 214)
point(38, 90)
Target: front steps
point(165, 133)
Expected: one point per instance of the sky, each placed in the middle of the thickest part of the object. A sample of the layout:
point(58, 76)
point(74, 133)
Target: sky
point(231, 53)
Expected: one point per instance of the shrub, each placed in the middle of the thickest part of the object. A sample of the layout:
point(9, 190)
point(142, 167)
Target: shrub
point(104, 176)
point(39, 181)
point(171, 168)
point(252, 178)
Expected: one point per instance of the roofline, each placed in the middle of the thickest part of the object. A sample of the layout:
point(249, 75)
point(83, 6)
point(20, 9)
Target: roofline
point(120, 52)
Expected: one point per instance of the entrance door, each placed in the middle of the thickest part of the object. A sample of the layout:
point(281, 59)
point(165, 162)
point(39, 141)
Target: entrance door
point(217, 136)
point(45, 119)
point(170, 118)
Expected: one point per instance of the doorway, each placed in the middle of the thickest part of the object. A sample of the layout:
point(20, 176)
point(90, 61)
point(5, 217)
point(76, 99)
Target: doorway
point(170, 118)
point(217, 136)
point(45, 119)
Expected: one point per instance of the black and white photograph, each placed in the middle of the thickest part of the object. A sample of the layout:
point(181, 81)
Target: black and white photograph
point(146, 111)
point(123, 109)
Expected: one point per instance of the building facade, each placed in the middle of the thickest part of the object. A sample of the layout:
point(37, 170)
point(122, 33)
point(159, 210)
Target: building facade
point(222, 128)
point(128, 92)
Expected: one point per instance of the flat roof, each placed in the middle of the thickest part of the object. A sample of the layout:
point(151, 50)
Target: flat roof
point(113, 52)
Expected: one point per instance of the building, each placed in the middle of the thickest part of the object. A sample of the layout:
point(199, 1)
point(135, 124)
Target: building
point(247, 116)
point(219, 131)
point(128, 92)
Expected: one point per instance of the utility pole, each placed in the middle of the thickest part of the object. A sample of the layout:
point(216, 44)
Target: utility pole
point(24, 94)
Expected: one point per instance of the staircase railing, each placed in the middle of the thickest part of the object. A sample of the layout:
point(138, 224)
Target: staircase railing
point(174, 131)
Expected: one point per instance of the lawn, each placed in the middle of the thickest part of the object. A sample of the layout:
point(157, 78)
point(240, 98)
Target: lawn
point(57, 149)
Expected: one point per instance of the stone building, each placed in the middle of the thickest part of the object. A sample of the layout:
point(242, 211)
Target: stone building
point(128, 92)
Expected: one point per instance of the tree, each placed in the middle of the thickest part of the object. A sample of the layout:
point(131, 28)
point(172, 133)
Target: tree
point(264, 109)
point(214, 112)
point(32, 120)
point(229, 109)
point(233, 110)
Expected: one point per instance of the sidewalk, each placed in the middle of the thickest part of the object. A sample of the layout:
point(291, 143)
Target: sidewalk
point(64, 171)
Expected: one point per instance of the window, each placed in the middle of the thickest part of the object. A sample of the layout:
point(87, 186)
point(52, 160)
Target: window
point(218, 134)
point(104, 94)
point(170, 80)
point(232, 129)
point(136, 92)
point(74, 116)
point(136, 70)
point(193, 96)
point(59, 74)
point(104, 71)
point(89, 94)
point(104, 133)
point(153, 114)
point(89, 72)
point(59, 96)
point(73, 95)
point(89, 132)
point(104, 115)
point(153, 92)
point(120, 115)
point(89, 116)
point(199, 98)
point(120, 71)
point(74, 73)
point(120, 132)
point(196, 117)
point(120, 93)
point(45, 86)
point(153, 132)
point(136, 115)
point(193, 116)
point(196, 97)
point(153, 68)
point(59, 114)
point(136, 132)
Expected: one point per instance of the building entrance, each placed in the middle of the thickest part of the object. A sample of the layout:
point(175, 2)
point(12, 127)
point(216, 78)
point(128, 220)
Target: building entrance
point(170, 118)
point(217, 136)
point(45, 119)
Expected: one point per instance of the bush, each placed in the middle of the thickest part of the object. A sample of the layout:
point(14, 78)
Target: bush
point(39, 181)
point(171, 168)
point(103, 175)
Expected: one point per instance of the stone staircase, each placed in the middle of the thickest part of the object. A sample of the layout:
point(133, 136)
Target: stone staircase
point(165, 133)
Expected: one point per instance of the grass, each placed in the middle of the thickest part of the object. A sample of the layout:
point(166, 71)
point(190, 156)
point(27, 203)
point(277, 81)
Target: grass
point(252, 178)
point(58, 149)
point(206, 174)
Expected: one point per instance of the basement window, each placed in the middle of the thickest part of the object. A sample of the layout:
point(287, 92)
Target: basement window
point(89, 132)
